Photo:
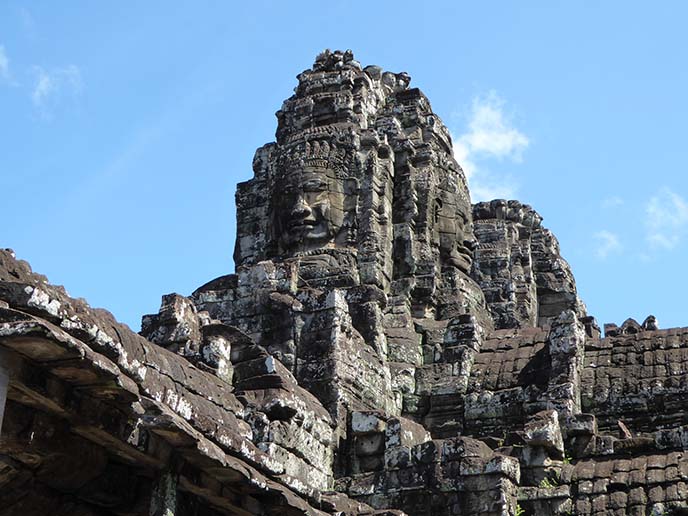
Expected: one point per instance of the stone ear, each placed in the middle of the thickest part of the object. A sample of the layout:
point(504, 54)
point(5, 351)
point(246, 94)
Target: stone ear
point(351, 186)
point(350, 194)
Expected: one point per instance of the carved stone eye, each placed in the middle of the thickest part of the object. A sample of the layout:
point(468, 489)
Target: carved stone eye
point(314, 186)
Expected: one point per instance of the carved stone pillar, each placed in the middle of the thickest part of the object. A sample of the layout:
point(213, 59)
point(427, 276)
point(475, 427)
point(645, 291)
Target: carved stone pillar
point(566, 349)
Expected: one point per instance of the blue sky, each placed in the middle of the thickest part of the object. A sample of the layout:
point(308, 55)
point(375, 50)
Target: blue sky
point(127, 125)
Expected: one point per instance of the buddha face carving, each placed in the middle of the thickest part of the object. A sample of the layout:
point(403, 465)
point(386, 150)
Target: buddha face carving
point(455, 241)
point(311, 210)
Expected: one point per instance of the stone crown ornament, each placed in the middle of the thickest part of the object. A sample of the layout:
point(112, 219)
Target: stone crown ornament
point(315, 154)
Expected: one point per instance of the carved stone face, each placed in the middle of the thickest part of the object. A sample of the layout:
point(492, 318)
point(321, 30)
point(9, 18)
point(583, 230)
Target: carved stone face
point(309, 209)
point(455, 240)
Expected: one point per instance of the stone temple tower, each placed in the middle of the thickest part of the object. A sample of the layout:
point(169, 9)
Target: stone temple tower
point(357, 222)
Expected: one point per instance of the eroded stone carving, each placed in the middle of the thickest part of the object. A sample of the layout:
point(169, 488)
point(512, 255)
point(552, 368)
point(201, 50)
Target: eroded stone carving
point(315, 205)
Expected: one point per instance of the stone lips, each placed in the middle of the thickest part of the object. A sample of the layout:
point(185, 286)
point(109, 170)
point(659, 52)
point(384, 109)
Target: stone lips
point(384, 347)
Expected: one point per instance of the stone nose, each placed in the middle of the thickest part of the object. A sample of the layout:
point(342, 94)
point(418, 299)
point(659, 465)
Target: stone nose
point(301, 208)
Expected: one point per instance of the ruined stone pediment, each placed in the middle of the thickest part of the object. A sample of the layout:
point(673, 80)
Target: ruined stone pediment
point(384, 347)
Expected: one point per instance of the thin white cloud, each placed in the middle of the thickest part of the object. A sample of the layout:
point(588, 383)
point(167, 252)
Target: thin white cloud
point(489, 135)
point(51, 86)
point(666, 219)
point(4, 64)
point(612, 202)
point(490, 132)
point(607, 243)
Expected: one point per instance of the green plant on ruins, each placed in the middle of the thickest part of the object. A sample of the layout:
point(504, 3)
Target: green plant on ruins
point(548, 483)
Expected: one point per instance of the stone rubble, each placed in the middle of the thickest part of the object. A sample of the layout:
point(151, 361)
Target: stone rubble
point(384, 347)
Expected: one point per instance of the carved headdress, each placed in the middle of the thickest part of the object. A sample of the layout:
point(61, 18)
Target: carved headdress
point(320, 150)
